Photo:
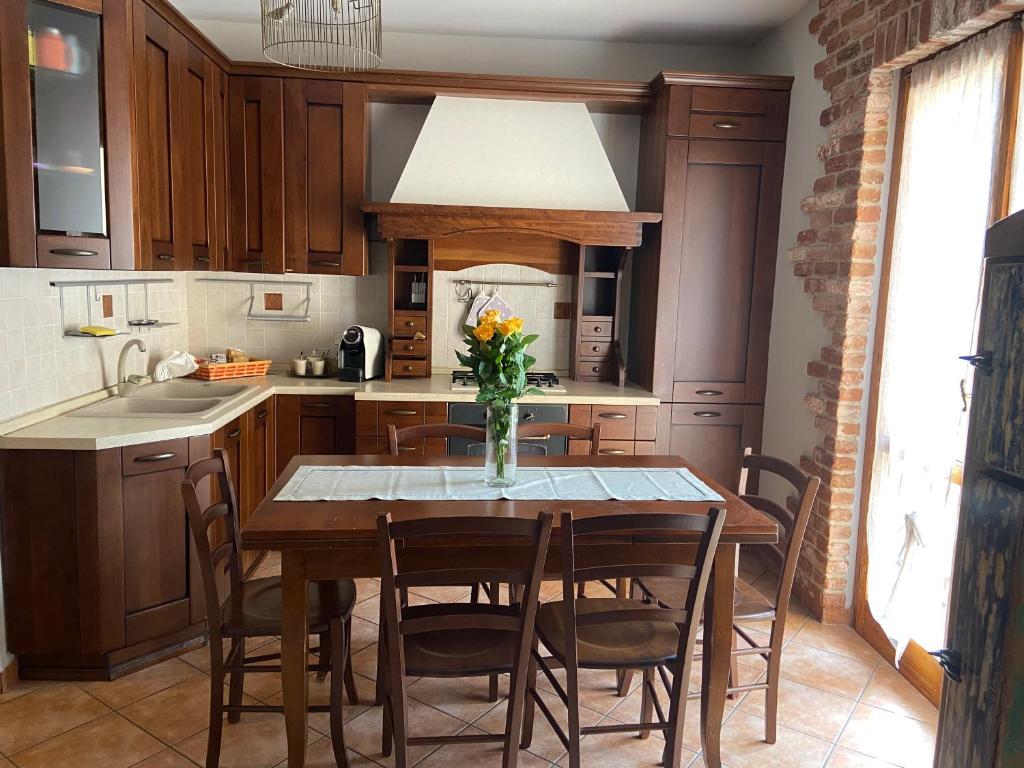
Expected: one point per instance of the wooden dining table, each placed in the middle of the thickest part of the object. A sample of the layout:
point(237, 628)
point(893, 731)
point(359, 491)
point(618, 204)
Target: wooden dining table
point(322, 540)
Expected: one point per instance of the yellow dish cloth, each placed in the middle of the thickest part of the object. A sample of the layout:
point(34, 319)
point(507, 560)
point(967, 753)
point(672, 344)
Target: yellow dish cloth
point(97, 330)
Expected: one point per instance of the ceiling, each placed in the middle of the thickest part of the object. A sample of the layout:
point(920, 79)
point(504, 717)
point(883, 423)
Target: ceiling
point(642, 21)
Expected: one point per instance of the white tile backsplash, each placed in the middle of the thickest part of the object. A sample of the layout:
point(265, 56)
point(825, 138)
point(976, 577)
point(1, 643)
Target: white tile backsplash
point(535, 304)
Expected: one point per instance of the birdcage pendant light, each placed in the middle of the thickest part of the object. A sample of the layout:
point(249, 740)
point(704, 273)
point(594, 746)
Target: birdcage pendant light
point(322, 35)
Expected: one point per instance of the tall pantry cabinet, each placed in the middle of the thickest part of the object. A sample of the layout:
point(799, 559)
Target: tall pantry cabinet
point(711, 159)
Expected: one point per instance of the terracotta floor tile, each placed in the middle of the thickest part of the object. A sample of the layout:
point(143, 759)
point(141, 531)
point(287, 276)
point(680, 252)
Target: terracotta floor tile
point(443, 594)
point(888, 736)
point(363, 734)
point(44, 713)
point(5, 763)
point(465, 698)
point(889, 690)
point(826, 671)
point(478, 756)
point(368, 609)
point(258, 741)
point(320, 693)
point(629, 712)
point(366, 588)
point(750, 567)
point(22, 687)
point(320, 754)
point(743, 746)
point(598, 690)
point(805, 709)
point(110, 742)
point(617, 750)
point(166, 759)
point(835, 638)
point(174, 714)
point(138, 685)
point(364, 662)
point(364, 633)
point(844, 758)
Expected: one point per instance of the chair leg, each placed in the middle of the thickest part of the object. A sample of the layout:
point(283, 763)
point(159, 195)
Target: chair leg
point(216, 706)
point(237, 682)
point(339, 661)
point(672, 757)
point(771, 696)
point(734, 668)
point(325, 655)
point(382, 649)
point(646, 702)
point(350, 679)
point(386, 734)
point(529, 703)
point(492, 681)
point(572, 690)
point(474, 594)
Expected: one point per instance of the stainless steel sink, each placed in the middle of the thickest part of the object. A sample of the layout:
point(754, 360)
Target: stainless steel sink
point(186, 390)
point(140, 407)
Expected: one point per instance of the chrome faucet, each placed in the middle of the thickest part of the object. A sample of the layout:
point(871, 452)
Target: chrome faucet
point(125, 387)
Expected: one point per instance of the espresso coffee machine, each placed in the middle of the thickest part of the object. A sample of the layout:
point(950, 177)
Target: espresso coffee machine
point(360, 354)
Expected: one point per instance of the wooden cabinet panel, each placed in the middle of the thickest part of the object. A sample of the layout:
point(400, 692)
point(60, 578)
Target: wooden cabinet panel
point(618, 422)
point(371, 446)
point(287, 428)
point(408, 324)
point(203, 136)
point(154, 457)
point(160, 63)
point(408, 414)
point(256, 174)
point(262, 459)
point(713, 438)
point(314, 425)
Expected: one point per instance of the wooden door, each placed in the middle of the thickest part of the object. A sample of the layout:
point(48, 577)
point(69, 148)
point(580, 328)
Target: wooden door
point(262, 461)
point(235, 438)
point(728, 193)
point(325, 153)
point(713, 437)
point(318, 425)
point(287, 427)
point(160, 61)
point(256, 147)
point(200, 91)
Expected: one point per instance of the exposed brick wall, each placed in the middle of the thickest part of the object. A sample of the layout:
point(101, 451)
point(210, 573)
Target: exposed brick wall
point(837, 255)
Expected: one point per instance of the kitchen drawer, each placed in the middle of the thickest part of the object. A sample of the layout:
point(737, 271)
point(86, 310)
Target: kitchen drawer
point(614, 447)
point(709, 392)
point(773, 106)
point(409, 414)
point(592, 327)
point(370, 446)
point(65, 252)
point(408, 325)
point(596, 370)
point(154, 457)
point(416, 348)
point(703, 413)
point(409, 369)
point(366, 419)
point(594, 350)
point(431, 446)
point(712, 126)
point(318, 405)
point(618, 422)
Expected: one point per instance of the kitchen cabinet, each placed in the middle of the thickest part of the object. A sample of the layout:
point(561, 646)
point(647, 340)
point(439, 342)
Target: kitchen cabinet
point(626, 430)
point(256, 183)
point(712, 437)
point(313, 425)
point(325, 153)
point(373, 418)
point(67, 184)
point(262, 461)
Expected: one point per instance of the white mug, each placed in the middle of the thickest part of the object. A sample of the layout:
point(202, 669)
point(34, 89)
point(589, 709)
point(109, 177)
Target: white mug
point(318, 367)
point(299, 366)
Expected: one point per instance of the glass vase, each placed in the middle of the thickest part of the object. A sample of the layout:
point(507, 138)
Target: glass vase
point(500, 466)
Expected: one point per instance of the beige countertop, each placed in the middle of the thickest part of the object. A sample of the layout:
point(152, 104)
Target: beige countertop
point(56, 428)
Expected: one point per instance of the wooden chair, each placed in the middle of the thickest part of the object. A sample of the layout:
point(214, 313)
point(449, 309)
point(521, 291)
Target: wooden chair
point(749, 604)
point(620, 633)
point(452, 640)
point(532, 431)
point(253, 609)
point(397, 438)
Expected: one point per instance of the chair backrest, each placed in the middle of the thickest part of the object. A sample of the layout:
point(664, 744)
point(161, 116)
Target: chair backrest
point(527, 430)
point(202, 516)
point(398, 438)
point(408, 562)
point(523, 448)
point(792, 526)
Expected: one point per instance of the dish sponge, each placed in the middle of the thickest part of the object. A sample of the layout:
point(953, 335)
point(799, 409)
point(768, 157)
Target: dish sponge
point(97, 330)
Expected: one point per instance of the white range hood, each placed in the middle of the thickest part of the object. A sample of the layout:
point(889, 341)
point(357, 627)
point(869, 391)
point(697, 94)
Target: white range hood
point(508, 153)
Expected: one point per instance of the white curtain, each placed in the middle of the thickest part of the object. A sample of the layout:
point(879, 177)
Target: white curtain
point(943, 211)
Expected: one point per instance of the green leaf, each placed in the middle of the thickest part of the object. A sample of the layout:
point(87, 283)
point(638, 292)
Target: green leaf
point(530, 339)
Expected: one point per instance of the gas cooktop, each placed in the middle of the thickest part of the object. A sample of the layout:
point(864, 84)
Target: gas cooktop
point(548, 382)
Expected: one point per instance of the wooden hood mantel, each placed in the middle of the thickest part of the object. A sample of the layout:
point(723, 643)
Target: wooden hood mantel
point(429, 222)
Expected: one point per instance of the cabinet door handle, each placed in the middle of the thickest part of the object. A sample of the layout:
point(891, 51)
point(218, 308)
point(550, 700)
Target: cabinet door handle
point(234, 433)
point(406, 448)
point(402, 412)
point(203, 259)
point(325, 264)
point(317, 405)
point(72, 252)
point(255, 261)
point(612, 451)
point(615, 416)
point(710, 392)
point(165, 256)
point(538, 437)
point(262, 416)
point(156, 457)
point(707, 414)
point(725, 125)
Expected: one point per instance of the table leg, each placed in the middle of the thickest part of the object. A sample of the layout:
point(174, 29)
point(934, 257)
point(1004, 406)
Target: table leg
point(718, 616)
point(294, 653)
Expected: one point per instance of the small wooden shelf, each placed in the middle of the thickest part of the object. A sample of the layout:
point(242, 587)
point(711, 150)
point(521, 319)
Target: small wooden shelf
point(601, 275)
point(411, 268)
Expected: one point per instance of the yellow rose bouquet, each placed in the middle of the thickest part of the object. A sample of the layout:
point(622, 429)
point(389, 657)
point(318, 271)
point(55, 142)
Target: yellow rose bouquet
point(497, 356)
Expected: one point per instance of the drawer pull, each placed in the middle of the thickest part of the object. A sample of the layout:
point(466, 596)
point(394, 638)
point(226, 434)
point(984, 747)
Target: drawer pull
point(73, 252)
point(402, 412)
point(615, 416)
point(408, 368)
point(598, 329)
point(234, 433)
point(203, 259)
point(165, 256)
point(317, 405)
point(596, 369)
point(725, 125)
point(409, 348)
point(255, 261)
point(262, 416)
point(406, 448)
point(156, 457)
point(410, 323)
point(707, 414)
point(596, 349)
point(612, 451)
point(710, 392)
point(325, 264)
point(538, 438)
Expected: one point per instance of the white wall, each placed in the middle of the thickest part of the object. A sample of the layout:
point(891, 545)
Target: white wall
point(797, 333)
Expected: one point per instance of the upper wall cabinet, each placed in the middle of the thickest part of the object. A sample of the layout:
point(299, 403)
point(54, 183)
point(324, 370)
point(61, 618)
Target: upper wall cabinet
point(180, 148)
point(325, 153)
point(65, 127)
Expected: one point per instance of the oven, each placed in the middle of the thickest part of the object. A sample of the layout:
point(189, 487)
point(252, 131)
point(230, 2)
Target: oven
point(475, 415)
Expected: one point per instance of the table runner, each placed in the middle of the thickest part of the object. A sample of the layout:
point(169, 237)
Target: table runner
point(390, 483)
